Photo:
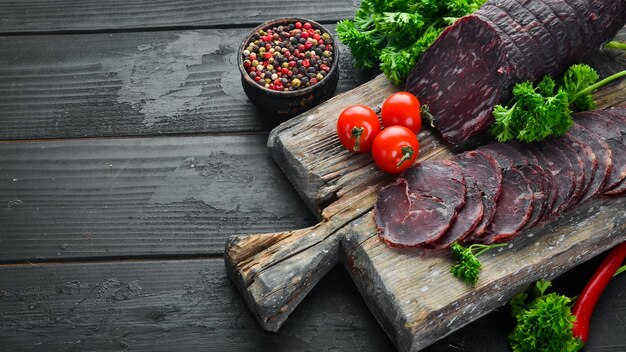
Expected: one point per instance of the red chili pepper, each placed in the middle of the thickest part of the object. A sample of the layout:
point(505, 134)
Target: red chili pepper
point(586, 302)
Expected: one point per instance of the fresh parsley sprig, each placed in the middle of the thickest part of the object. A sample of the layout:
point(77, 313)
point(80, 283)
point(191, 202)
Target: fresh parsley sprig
point(543, 323)
point(393, 34)
point(543, 110)
point(468, 268)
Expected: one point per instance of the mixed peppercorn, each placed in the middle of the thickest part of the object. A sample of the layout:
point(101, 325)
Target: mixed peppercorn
point(289, 57)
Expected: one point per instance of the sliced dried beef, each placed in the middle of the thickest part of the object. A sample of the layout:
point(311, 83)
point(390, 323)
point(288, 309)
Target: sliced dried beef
point(405, 220)
point(441, 179)
point(578, 169)
point(618, 116)
point(530, 158)
point(551, 192)
point(603, 126)
point(513, 208)
point(589, 159)
point(555, 162)
point(484, 169)
point(539, 183)
point(467, 218)
point(603, 154)
point(506, 155)
point(428, 195)
point(617, 190)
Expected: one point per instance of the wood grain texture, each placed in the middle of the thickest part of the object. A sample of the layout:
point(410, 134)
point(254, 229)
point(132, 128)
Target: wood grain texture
point(192, 305)
point(169, 306)
point(91, 15)
point(125, 84)
point(417, 300)
point(138, 197)
point(274, 272)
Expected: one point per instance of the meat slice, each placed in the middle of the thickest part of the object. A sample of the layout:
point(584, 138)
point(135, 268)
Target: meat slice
point(551, 192)
point(522, 148)
point(506, 155)
point(404, 219)
point(604, 127)
point(539, 183)
point(467, 218)
point(485, 171)
point(603, 154)
point(559, 166)
point(589, 159)
point(578, 170)
point(513, 209)
point(472, 65)
point(421, 205)
point(441, 179)
point(618, 116)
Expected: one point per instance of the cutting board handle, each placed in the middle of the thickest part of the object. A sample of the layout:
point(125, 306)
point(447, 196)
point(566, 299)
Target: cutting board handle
point(274, 272)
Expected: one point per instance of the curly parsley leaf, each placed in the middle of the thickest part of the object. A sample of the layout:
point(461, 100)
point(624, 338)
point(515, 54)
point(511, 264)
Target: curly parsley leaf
point(468, 267)
point(543, 110)
point(393, 34)
point(543, 324)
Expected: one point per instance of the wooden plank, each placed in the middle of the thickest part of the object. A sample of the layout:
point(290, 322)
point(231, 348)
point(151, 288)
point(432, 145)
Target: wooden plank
point(141, 196)
point(417, 300)
point(338, 184)
point(191, 305)
point(91, 15)
point(168, 306)
point(125, 84)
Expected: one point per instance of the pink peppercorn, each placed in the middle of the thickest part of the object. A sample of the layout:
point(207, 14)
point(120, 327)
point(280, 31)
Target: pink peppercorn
point(307, 25)
point(306, 63)
point(298, 25)
point(305, 35)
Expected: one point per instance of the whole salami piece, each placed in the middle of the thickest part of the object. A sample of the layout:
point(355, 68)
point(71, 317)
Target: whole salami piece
point(474, 63)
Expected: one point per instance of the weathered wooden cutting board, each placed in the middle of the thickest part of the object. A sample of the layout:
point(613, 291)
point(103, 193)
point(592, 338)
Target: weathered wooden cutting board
point(414, 297)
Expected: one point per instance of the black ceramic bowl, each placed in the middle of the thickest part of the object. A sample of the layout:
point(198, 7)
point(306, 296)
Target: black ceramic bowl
point(279, 106)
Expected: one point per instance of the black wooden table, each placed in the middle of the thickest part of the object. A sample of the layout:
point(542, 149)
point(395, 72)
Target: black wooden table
point(130, 153)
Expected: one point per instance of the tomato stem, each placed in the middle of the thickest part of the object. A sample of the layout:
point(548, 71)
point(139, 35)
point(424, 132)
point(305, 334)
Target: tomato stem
point(425, 110)
point(407, 154)
point(587, 300)
point(356, 133)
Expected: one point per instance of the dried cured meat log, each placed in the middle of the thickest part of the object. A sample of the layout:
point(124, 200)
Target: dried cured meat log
point(474, 63)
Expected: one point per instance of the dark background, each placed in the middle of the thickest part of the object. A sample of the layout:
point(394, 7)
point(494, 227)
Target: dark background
point(129, 155)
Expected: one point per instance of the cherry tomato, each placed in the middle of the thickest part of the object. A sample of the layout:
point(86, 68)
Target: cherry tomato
point(357, 126)
point(395, 149)
point(402, 109)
